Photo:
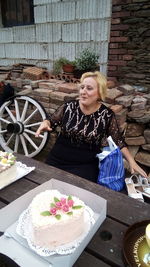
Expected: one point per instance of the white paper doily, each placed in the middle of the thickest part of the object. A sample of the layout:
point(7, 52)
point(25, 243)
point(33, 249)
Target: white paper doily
point(23, 229)
point(22, 170)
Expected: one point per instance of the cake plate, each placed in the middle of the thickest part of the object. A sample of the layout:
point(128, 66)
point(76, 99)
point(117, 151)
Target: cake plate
point(16, 247)
point(22, 170)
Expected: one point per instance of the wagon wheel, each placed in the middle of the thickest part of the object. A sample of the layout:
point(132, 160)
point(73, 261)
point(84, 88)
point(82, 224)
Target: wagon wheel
point(19, 120)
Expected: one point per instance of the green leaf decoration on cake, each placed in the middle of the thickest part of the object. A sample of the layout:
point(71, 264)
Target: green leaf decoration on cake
point(13, 158)
point(69, 197)
point(52, 205)
point(11, 162)
point(56, 199)
point(45, 213)
point(58, 216)
point(77, 207)
point(70, 213)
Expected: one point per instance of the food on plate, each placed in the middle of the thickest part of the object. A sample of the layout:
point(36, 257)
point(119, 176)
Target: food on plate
point(56, 219)
point(8, 169)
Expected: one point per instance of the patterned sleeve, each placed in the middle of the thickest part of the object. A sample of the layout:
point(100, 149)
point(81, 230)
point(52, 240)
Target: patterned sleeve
point(56, 118)
point(114, 132)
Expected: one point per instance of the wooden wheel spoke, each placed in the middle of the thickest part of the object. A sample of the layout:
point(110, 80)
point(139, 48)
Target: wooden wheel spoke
point(32, 124)
point(6, 121)
point(33, 133)
point(30, 140)
point(16, 143)
point(3, 131)
point(31, 115)
point(9, 140)
point(24, 111)
point(26, 114)
point(17, 110)
point(23, 142)
point(10, 114)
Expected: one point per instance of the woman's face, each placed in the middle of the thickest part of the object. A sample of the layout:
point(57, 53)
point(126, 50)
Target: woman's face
point(88, 93)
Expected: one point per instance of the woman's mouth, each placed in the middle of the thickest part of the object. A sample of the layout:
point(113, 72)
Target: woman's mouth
point(83, 98)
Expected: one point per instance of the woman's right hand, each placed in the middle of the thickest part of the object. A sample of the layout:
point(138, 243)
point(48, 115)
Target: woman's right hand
point(45, 126)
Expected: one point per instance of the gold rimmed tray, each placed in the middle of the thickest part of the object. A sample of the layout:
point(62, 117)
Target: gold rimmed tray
point(135, 248)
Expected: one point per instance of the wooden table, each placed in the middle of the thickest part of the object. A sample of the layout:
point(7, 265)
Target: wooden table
point(122, 212)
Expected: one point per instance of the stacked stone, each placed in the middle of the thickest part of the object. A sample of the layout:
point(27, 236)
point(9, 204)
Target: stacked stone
point(132, 111)
point(20, 75)
point(52, 94)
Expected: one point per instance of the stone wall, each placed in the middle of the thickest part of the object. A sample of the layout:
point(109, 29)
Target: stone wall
point(129, 48)
point(132, 109)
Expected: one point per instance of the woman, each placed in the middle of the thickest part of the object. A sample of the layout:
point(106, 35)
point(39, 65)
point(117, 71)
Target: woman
point(85, 123)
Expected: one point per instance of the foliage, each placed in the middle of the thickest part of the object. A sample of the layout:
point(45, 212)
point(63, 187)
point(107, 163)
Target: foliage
point(58, 64)
point(87, 60)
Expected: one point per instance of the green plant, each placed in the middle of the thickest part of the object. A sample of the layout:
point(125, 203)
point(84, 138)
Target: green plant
point(87, 60)
point(59, 63)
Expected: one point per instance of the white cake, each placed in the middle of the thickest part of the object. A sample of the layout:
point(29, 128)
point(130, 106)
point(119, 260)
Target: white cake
point(56, 219)
point(8, 168)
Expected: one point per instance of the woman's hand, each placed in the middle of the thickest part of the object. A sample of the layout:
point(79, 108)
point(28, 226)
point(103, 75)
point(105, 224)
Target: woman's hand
point(134, 167)
point(45, 126)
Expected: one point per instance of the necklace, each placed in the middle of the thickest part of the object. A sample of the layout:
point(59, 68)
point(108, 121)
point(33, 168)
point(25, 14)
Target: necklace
point(85, 119)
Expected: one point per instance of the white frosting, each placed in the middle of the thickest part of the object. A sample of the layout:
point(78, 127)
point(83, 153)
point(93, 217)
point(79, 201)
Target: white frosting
point(8, 169)
point(48, 231)
point(7, 159)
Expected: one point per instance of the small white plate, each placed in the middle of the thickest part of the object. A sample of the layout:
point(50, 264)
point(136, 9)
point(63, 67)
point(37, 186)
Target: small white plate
point(22, 170)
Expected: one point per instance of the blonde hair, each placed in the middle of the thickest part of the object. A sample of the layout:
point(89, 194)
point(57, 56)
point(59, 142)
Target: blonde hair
point(101, 82)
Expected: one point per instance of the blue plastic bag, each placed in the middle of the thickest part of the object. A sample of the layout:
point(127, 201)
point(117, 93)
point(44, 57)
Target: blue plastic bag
point(111, 167)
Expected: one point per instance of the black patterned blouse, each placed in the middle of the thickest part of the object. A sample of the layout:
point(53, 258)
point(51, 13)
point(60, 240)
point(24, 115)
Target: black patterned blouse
point(90, 129)
point(81, 138)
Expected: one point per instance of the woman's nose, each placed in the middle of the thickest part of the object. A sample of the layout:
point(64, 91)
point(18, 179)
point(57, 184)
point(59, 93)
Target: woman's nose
point(83, 90)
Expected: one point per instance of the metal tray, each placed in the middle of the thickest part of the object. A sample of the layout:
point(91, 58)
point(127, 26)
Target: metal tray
point(135, 248)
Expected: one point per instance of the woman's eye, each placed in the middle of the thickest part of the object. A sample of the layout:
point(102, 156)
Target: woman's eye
point(89, 88)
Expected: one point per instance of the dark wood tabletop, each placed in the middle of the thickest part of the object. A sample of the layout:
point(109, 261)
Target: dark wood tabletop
point(105, 248)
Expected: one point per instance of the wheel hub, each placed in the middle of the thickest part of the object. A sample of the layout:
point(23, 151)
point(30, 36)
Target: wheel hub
point(16, 128)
